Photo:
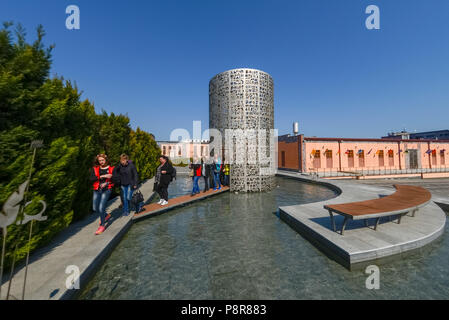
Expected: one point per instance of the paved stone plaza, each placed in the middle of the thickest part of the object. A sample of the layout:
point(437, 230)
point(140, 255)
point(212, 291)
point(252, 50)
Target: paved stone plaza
point(361, 244)
point(438, 187)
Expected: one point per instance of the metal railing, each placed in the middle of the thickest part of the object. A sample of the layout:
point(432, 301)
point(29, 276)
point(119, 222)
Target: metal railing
point(373, 171)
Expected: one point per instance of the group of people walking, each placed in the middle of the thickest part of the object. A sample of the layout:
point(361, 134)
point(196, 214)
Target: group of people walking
point(213, 171)
point(105, 176)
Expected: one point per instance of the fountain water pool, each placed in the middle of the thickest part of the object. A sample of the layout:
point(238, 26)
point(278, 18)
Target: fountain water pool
point(233, 246)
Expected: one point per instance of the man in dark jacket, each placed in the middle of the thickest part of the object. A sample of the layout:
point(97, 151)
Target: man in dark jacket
point(205, 168)
point(126, 173)
point(210, 172)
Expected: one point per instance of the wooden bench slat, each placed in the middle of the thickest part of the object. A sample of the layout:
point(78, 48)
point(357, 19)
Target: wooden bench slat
point(405, 198)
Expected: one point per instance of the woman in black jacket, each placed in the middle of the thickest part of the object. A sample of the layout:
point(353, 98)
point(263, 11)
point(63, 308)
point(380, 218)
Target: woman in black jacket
point(163, 179)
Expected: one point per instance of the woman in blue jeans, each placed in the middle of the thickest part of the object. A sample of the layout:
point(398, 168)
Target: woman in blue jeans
point(101, 178)
point(126, 173)
point(216, 170)
point(197, 173)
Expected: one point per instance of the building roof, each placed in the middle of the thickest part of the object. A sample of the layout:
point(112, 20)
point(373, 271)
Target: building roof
point(375, 140)
point(434, 135)
point(184, 141)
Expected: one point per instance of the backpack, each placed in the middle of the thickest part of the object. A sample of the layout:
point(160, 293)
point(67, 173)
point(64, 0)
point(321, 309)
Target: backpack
point(173, 174)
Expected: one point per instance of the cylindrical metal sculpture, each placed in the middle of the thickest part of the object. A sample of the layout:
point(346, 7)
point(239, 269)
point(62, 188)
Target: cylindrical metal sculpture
point(241, 108)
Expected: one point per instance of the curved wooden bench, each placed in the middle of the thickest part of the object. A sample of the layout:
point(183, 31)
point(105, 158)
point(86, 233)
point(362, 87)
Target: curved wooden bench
point(405, 199)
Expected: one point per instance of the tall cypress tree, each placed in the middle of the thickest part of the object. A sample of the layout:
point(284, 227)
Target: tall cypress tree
point(36, 107)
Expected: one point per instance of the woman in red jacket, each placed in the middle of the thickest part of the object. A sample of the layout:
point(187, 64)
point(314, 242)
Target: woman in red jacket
point(101, 178)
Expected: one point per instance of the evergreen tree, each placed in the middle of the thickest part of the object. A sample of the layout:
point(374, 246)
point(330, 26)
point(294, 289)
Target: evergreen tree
point(35, 107)
point(144, 153)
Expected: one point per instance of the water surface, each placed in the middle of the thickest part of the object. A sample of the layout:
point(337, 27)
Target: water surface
point(233, 246)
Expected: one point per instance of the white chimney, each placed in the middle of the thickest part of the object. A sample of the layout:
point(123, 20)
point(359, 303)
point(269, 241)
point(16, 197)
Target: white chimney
point(295, 128)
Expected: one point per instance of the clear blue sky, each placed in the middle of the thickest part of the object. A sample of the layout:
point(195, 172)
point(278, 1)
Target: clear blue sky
point(153, 59)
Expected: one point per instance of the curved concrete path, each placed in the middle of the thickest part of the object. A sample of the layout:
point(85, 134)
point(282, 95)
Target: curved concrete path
point(155, 209)
point(359, 244)
point(76, 246)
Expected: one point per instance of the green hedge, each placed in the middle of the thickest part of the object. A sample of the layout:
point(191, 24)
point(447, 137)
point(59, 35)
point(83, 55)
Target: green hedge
point(36, 107)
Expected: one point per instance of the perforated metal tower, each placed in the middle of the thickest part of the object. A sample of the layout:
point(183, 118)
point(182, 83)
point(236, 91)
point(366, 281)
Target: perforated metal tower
point(242, 100)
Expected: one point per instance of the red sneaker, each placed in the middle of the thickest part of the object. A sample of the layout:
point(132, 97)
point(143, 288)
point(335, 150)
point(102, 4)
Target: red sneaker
point(100, 230)
point(108, 216)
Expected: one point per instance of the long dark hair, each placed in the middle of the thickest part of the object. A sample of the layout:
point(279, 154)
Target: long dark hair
point(167, 160)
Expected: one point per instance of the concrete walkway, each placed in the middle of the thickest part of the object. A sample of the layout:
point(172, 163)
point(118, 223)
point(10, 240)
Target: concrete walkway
point(155, 209)
point(78, 246)
point(359, 244)
point(75, 246)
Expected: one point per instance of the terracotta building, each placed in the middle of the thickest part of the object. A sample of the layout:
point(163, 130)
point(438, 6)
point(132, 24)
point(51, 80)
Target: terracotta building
point(184, 149)
point(333, 157)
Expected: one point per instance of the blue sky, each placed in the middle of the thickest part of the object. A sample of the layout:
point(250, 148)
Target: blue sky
point(153, 59)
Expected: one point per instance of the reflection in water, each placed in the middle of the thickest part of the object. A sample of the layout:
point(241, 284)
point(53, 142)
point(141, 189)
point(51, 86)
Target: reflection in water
point(232, 246)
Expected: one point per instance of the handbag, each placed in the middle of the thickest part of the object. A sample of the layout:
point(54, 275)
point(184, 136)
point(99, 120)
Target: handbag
point(138, 201)
point(137, 197)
